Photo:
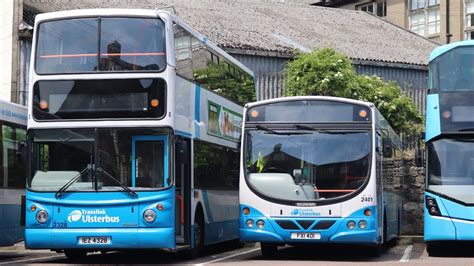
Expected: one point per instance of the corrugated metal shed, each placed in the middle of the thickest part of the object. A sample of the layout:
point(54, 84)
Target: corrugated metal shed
point(270, 75)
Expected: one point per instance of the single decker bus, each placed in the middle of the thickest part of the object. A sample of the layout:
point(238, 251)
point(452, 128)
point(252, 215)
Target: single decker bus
point(449, 191)
point(12, 177)
point(130, 145)
point(318, 169)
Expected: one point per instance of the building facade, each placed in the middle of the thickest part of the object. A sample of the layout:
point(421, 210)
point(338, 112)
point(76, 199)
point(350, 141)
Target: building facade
point(442, 21)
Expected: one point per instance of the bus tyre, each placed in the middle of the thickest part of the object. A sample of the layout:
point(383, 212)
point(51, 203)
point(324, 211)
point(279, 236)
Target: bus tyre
point(75, 254)
point(376, 250)
point(198, 237)
point(269, 250)
point(433, 249)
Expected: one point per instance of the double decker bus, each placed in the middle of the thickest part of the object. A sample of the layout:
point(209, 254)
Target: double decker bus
point(321, 170)
point(12, 175)
point(129, 144)
point(449, 197)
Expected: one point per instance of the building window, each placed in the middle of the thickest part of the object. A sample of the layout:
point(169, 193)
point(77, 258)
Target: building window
point(433, 2)
point(418, 4)
point(469, 25)
point(417, 23)
point(433, 21)
point(425, 17)
point(470, 35)
point(378, 8)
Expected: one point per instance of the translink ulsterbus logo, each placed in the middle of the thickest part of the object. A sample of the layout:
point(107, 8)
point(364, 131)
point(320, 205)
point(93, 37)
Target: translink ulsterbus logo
point(92, 216)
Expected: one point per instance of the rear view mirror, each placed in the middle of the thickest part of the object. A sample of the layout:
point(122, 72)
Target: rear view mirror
point(181, 149)
point(387, 147)
point(21, 152)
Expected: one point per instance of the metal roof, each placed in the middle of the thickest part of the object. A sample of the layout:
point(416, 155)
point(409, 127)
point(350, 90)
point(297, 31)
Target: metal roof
point(279, 27)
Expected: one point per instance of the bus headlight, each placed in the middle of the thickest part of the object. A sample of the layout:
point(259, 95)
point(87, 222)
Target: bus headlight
point(362, 224)
point(42, 216)
point(260, 224)
point(149, 216)
point(249, 223)
point(432, 206)
point(351, 225)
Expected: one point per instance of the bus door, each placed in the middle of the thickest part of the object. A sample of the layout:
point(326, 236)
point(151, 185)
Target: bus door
point(183, 190)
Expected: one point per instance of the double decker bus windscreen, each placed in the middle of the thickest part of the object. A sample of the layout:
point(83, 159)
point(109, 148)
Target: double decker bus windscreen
point(100, 44)
point(453, 71)
point(96, 99)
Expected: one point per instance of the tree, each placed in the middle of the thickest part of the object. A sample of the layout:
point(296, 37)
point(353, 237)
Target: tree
point(329, 73)
point(227, 81)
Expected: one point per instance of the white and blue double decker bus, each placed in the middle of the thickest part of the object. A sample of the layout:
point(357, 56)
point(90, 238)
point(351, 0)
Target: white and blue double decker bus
point(129, 144)
point(449, 196)
point(12, 175)
point(319, 170)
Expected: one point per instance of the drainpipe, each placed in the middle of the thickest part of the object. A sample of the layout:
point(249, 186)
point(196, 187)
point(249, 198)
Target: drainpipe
point(448, 34)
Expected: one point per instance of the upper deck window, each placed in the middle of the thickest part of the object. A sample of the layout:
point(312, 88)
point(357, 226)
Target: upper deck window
point(453, 71)
point(100, 44)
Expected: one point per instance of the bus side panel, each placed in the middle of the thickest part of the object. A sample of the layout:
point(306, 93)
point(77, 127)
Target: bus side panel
point(11, 230)
point(221, 215)
point(462, 218)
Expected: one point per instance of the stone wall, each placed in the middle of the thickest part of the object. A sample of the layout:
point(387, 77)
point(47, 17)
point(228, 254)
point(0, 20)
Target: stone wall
point(413, 189)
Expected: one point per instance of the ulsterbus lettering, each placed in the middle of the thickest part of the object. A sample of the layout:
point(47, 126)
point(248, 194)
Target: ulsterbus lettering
point(92, 216)
point(305, 212)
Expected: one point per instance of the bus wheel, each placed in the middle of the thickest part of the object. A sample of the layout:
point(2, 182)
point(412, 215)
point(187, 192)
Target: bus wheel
point(198, 237)
point(433, 249)
point(376, 250)
point(75, 254)
point(269, 250)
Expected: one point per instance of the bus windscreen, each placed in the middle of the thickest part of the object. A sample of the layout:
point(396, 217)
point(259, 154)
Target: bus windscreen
point(106, 44)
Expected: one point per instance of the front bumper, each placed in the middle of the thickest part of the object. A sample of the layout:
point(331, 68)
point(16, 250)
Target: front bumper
point(121, 238)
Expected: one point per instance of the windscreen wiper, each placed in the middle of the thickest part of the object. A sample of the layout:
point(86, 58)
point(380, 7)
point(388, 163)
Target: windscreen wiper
point(326, 131)
point(133, 193)
point(271, 131)
point(72, 181)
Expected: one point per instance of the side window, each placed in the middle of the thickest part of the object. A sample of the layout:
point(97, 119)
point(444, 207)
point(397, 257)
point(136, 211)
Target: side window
point(182, 51)
point(13, 169)
point(215, 167)
point(198, 63)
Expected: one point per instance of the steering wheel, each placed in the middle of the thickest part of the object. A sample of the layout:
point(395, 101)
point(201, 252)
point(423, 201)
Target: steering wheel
point(273, 169)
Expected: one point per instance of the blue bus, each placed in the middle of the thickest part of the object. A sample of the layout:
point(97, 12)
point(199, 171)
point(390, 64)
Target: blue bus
point(12, 175)
point(319, 170)
point(130, 144)
point(449, 197)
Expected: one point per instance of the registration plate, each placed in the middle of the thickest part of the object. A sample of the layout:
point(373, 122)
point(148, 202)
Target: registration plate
point(96, 240)
point(305, 236)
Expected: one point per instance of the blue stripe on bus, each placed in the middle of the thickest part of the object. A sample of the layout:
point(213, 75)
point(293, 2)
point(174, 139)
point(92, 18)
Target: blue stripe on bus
point(433, 120)
point(197, 105)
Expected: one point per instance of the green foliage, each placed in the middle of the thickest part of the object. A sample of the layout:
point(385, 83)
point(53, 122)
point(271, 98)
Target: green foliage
point(323, 72)
point(326, 72)
point(227, 81)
